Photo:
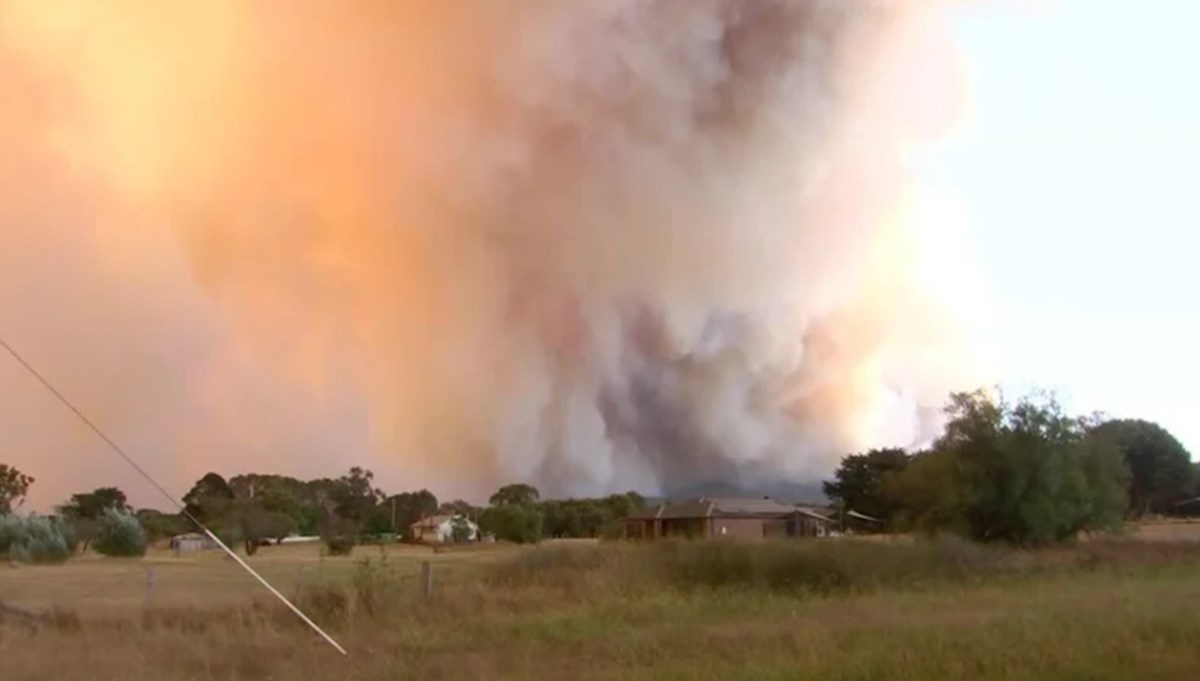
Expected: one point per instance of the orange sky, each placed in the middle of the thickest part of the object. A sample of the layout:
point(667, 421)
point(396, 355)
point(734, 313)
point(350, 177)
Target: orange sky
point(614, 246)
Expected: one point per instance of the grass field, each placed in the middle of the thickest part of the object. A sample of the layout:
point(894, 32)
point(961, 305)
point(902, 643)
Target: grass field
point(1123, 610)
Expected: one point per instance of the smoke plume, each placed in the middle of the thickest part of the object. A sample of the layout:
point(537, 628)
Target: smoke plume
point(595, 246)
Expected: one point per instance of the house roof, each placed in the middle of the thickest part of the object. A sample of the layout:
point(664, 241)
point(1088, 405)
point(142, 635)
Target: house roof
point(813, 513)
point(862, 516)
point(751, 506)
point(722, 507)
point(432, 521)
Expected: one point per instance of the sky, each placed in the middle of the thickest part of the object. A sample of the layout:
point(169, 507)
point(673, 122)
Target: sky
point(1066, 180)
point(1074, 174)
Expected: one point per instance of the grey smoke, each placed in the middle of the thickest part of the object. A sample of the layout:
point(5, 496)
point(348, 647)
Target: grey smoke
point(596, 246)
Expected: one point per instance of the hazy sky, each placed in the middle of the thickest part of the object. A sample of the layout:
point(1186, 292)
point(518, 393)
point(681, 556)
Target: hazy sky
point(1076, 175)
point(1067, 177)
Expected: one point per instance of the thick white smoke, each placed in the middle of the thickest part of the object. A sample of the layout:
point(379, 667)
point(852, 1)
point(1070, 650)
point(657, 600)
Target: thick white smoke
point(596, 246)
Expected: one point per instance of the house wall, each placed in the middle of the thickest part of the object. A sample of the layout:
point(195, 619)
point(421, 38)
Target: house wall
point(737, 528)
point(777, 528)
point(685, 528)
point(639, 529)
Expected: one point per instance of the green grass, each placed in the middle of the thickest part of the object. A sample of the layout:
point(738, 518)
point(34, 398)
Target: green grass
point(1119, 610)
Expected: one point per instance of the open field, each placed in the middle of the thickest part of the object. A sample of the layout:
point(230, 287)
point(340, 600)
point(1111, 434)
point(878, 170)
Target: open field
point(1116, 610)
point(93, 584)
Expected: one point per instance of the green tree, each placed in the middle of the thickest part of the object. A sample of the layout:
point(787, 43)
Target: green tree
point(459, 507)
point(33, 539)
point(407, 508)
point(83, 513)
point(14, 486)
point(1023, 473)
point(354, 496)
point(1161, 471)
point(617, 506)
point(339, 535)
point(858, 482)
point(517, 523)
point(120, 534)
point(519, 493)
point(93, 504)
point(209, 499)
point(255, 524)
point(159, 525)
point(460, 530)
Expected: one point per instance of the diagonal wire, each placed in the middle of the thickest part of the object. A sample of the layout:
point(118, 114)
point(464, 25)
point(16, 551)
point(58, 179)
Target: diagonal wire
point(167, 495)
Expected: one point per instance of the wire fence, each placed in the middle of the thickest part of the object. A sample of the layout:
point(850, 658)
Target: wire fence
point(93, 586)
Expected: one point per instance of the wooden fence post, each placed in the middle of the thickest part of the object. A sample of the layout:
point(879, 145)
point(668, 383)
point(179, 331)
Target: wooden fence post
point(149, 588)
point(426, 579)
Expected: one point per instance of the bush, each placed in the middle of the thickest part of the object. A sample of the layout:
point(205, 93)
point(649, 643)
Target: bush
point(341, 545)
point(34, 539)
point(516, 523)
point(340, 536)
point(120, 534)
point(797, 567)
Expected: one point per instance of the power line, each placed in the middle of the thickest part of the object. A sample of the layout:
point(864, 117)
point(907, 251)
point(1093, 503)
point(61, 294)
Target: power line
point(167, 495)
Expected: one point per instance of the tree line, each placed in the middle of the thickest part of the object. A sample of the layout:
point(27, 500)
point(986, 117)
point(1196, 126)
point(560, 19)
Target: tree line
point(252, 510)
point(1022, 472)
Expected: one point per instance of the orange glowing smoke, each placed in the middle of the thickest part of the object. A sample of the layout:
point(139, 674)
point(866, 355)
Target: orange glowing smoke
point(591, 245)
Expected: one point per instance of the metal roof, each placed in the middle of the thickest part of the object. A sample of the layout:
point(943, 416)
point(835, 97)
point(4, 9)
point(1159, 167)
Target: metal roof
point(724, 507)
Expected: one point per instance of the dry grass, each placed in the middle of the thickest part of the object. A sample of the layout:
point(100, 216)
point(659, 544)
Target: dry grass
point(93, 584)
point(1105, 610)
point(1169, 530)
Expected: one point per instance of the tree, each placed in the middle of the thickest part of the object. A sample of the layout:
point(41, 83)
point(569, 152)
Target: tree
point(519, 493)
point(33, 539)
point(93, 504)
point(354, 497)
point(339, 536)
point(858, 482)
point(119, 534)
point(256, 524)
point(458, 507)
point(14, 486)
point(84, 511)
point(517, 523)
point(406, 508)
point(1160, 467)
point(460, 530)
point(618, 506)
point(209, 498)
point(1023, 473)
point(159, 525)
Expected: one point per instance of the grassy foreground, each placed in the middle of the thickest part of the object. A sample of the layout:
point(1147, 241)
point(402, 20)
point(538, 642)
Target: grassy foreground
point(939, 610)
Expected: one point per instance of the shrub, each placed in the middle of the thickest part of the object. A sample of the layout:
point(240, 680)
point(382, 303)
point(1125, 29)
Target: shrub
point(516, 523)
point(33, 539)
point(120, 534)
point(341, 545)
point(339, 536)
point(797, 567)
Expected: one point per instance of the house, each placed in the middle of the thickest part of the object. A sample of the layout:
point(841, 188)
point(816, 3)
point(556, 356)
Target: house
point(756, 518)
point(193, 541)
point(437, 529)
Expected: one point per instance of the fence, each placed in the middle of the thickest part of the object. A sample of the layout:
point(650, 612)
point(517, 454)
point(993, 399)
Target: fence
point(93, 586)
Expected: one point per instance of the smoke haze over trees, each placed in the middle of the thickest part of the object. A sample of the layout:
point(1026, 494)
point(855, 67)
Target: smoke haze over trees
point(590, 246)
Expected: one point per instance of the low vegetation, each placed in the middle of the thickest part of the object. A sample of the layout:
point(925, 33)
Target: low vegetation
point(823, 609)
point(120, 534)
point(33, 539)
point(1001, 558)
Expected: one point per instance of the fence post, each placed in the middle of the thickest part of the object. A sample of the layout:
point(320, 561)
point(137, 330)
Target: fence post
point(149, 588)
point(426, 579)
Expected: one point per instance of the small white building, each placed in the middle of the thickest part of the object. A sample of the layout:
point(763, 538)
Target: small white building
point(193, 541)
point(439, 529)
